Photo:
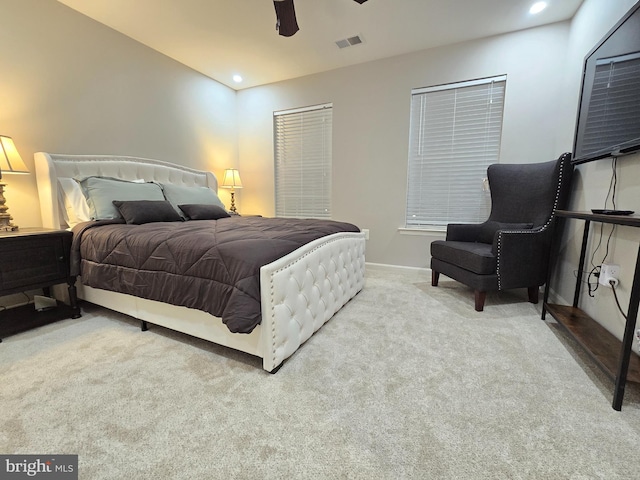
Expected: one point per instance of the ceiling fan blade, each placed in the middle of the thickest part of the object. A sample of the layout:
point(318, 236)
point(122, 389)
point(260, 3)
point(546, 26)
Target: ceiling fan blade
point(287, 25)
point(286, 22)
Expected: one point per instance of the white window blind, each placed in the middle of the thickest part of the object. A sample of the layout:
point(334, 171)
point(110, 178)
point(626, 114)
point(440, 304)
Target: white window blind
point(455, 135)
point(303, 162)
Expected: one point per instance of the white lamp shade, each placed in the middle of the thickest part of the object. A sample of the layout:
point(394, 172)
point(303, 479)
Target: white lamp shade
point(10, 160)
point(231, 179)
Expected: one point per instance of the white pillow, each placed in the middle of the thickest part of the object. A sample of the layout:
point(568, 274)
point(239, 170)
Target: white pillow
point(72, 202)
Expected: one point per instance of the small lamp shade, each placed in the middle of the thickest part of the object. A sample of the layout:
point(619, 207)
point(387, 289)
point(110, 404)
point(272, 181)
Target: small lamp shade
point(231, 179)
point(10, 160)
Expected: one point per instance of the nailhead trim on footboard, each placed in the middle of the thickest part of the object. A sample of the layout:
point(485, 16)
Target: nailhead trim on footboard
point(303, 291)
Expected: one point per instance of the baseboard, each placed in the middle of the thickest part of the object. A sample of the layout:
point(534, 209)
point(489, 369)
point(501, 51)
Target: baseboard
point(554, 297)
point(399, 267)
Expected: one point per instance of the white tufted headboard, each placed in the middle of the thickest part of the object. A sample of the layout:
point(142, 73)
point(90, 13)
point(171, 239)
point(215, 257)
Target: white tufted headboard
point(50, 167)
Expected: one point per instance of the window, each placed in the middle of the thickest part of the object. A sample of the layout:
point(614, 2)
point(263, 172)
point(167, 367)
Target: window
point(455, 135)
point(303, 162)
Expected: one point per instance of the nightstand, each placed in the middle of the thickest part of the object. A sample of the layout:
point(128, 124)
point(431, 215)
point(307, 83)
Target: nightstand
point(33, 258)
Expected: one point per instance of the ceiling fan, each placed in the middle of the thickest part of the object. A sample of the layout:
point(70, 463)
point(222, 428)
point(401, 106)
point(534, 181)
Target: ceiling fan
point(286, 22)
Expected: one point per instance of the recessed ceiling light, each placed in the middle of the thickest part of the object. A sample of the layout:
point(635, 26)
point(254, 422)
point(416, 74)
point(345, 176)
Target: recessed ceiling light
point(237, 78)
point(537, 7)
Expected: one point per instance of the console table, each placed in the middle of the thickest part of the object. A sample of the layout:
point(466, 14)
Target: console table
point(615, 359)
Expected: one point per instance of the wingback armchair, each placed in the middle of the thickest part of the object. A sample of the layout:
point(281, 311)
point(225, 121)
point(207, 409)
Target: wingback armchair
point(511, 249)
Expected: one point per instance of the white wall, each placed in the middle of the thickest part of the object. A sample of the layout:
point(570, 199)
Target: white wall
point(591, 180)
point(72, 85)
point(371, 104)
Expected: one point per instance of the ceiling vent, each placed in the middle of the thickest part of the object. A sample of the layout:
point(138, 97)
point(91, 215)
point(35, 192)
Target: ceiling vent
point(349, 42)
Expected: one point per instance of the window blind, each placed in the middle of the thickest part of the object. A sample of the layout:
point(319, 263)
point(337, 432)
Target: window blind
point(303, 162)
point(455, 135)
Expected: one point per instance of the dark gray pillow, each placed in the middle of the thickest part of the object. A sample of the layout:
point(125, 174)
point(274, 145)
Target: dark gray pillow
point(488, 229)
point(201, 211)
point(138, 212)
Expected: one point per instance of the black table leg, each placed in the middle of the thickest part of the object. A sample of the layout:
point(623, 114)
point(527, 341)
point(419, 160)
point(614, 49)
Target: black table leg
point(583, 254)
point(627, 339)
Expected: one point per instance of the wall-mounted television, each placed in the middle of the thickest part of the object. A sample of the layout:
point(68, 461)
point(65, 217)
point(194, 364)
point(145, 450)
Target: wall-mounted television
point(609, 111)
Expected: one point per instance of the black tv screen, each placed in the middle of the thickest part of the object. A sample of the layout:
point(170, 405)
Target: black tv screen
point(609, 112)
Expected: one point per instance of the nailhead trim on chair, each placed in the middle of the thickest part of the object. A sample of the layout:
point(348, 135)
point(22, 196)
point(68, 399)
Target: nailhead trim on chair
point(542, 229)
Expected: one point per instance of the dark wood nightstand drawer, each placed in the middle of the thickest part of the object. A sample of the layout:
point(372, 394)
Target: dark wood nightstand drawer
point(32, 262)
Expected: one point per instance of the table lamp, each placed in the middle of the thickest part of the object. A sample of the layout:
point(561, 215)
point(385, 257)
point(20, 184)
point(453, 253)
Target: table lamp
point(10, 162)
point(231, 180)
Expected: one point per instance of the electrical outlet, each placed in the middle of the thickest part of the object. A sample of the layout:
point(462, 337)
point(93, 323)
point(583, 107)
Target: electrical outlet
point(608, 272)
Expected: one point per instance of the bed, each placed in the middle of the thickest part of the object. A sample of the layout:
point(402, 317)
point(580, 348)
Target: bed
point(297, 292)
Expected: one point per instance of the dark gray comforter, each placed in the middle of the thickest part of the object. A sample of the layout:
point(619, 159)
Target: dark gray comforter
point(210, 265)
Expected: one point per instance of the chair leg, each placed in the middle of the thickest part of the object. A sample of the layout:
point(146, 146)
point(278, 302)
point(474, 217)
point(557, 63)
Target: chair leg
point(435, 276)
point(534, 294)
point(480, 298)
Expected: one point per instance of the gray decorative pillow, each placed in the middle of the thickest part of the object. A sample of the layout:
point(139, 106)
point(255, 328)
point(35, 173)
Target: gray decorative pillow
point(489, 229)
point(102, 191)
point(183, 195)
point(203, 212)
point(146, 211)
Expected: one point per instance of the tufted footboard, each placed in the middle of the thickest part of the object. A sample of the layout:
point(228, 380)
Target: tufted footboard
point(303, 290)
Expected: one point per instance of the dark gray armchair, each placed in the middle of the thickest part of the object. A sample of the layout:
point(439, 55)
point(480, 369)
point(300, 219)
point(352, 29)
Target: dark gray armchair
point(511, 249)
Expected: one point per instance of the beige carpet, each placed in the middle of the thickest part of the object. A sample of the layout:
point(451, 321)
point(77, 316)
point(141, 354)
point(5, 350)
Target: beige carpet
point(407, 381)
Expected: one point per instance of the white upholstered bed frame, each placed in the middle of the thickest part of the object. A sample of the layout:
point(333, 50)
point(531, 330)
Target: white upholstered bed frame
point(299, 292)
